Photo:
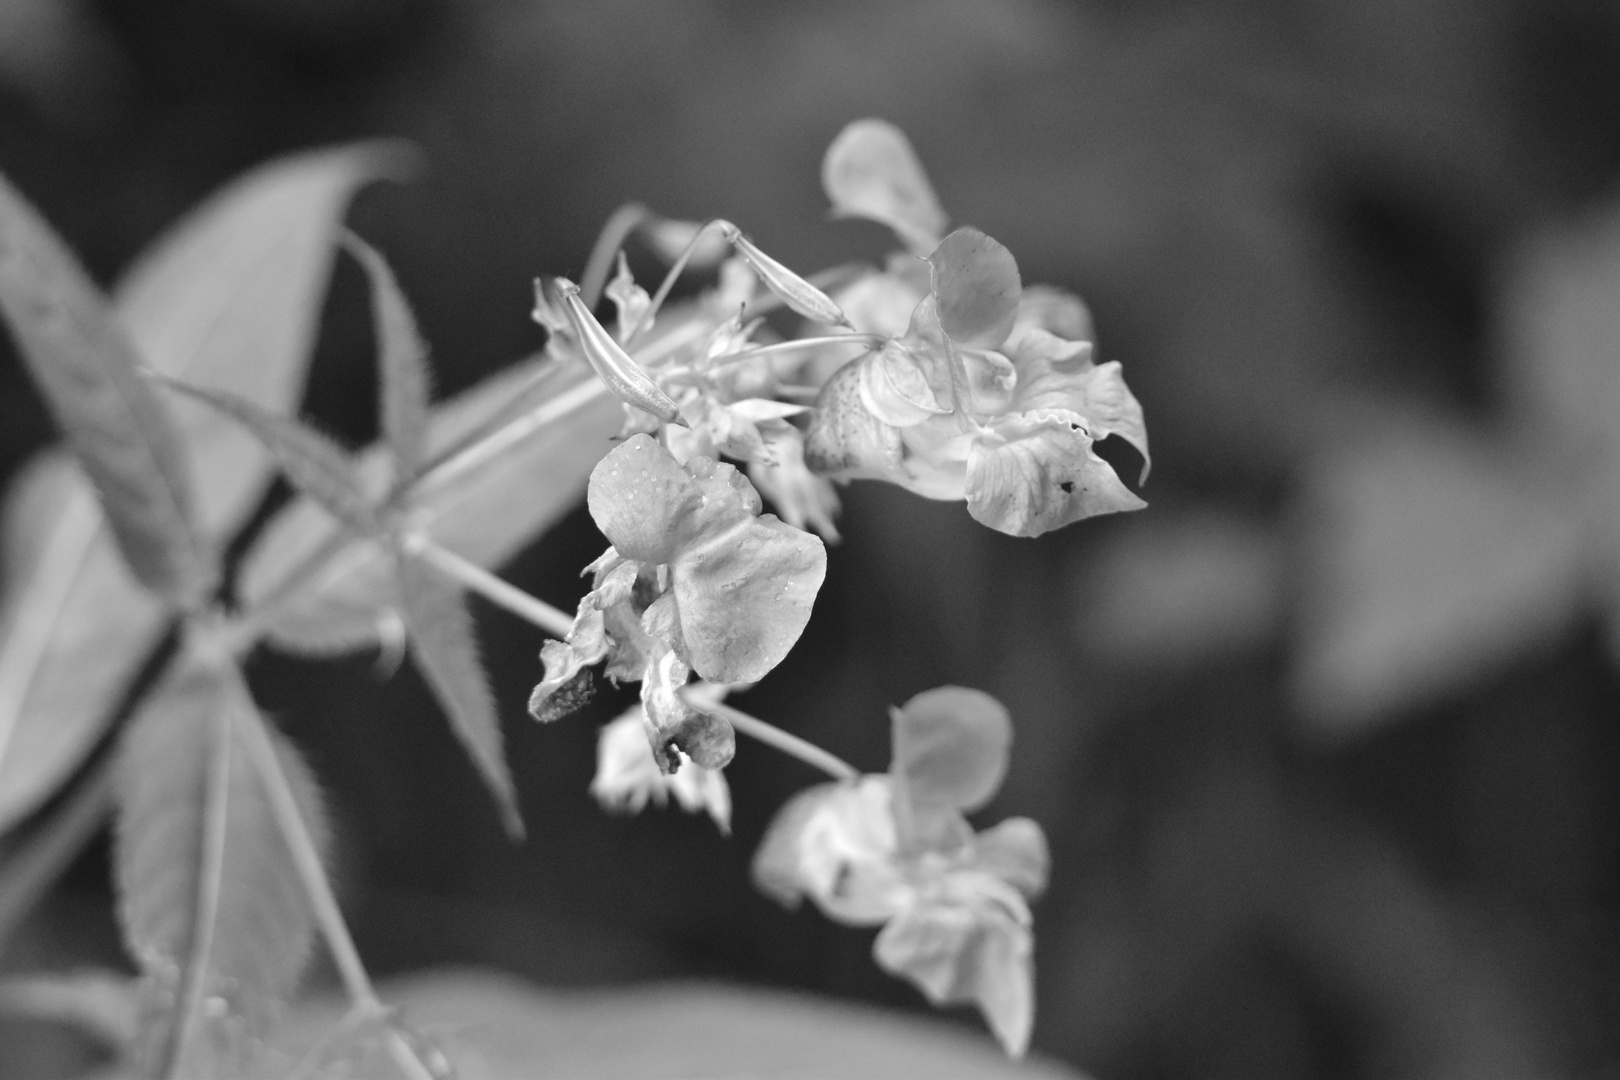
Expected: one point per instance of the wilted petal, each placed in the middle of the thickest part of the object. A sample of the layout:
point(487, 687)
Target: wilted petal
point(673, 724)
point(871, 171)
point(1036, 472)
point(627, 777)
point(566, 685)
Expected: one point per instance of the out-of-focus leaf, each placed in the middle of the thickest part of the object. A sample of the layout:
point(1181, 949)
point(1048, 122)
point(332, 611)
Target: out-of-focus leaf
point(404, 380)
point(445, 648)
point(1433, 562)
point(75, 627)
point(871, 171)
point(203, 874)
point(485, 515)
point(103, 1004)
point(976, 285)
point(496, 1027)
point(316, 466)
point(87, 369)
point(950, 747)
point(230, 299)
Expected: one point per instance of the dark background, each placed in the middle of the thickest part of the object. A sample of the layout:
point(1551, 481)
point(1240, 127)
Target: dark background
point(1284, 216)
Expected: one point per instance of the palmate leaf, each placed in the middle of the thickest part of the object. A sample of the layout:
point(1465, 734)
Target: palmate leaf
point(228, 298)
point(314, 464)
point(444, 647)
point(486, 515)
point(209, 897)
point(87, 368)
point(404, 379)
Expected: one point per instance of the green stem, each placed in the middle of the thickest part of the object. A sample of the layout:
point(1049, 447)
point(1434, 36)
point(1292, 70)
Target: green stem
point(556, 622)
point(790, 744)
point(618, 227)
point(646, 317)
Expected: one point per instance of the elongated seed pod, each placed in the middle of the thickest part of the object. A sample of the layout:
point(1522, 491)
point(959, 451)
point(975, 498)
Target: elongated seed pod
point(794, 291)
point(612, 364)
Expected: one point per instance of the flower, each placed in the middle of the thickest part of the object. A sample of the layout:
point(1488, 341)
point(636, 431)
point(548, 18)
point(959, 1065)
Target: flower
point(697, 579)
point(895, 851)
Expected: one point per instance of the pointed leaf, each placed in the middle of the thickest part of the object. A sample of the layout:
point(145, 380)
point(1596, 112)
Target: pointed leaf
point(314, 464)
point(230, 298)
point(485, 515)
point(404, 380)
point(950, 747)
point(1434, 561)
point(871, 171)
point(201, 868)
point(75, 627)
point(444, 646)
point(87, 369)
point(976, 285)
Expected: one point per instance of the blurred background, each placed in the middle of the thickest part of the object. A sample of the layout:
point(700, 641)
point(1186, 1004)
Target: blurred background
point(1326, 741)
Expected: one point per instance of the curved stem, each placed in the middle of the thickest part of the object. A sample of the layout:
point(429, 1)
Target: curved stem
point(615, 230)
point(668, 283)
point(495, 589)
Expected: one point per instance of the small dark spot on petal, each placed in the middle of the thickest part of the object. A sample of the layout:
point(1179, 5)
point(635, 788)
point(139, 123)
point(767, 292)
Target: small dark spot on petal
point(1068, 487)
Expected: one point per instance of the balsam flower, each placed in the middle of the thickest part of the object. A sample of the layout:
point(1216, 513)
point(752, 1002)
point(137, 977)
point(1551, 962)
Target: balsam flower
point(628, 777)
point(980, 400)
point(989, 393)
point(896, 851)
point(697, 579)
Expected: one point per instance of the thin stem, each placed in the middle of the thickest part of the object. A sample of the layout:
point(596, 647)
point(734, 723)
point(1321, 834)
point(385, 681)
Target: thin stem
point(497, 590)
point(667, 284)
point(871, 341)
point(618, 227)
point(771, 735)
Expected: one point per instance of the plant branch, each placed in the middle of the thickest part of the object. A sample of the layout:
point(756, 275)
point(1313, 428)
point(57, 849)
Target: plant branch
point(618, 227)
point(496, 590)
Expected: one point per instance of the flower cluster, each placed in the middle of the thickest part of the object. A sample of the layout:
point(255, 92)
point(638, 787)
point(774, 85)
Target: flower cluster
point(940, 373)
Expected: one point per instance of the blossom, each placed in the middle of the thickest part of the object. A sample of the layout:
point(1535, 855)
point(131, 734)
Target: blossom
point(895, 851)
point(990, 393)
point(628, 777)
point(697, 579)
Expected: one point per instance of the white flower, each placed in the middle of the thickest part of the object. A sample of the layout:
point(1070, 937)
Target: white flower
point(627, 777)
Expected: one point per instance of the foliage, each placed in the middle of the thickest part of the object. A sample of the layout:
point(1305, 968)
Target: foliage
point(964, 386)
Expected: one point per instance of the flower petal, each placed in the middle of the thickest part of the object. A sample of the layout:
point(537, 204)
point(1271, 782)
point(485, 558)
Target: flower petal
point(973, 946)
point(637, 494)
point(1015, 851)
point(871, 171)
point(1054, 373)
point(895, 389)
point(1037, 473)
point(950, 748)
point(673, 724)
point(975, 282)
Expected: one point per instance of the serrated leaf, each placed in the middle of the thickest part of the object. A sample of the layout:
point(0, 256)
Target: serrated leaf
point(209, 897)
point(976, 285)
point(485, 516)
point(230, 299)
point(402, 363)
point(871, 171)
point(88, 371)
point(445, 648)
point(75, 627)
point(950, 747)
point(314, 464)
point(1432, 562)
